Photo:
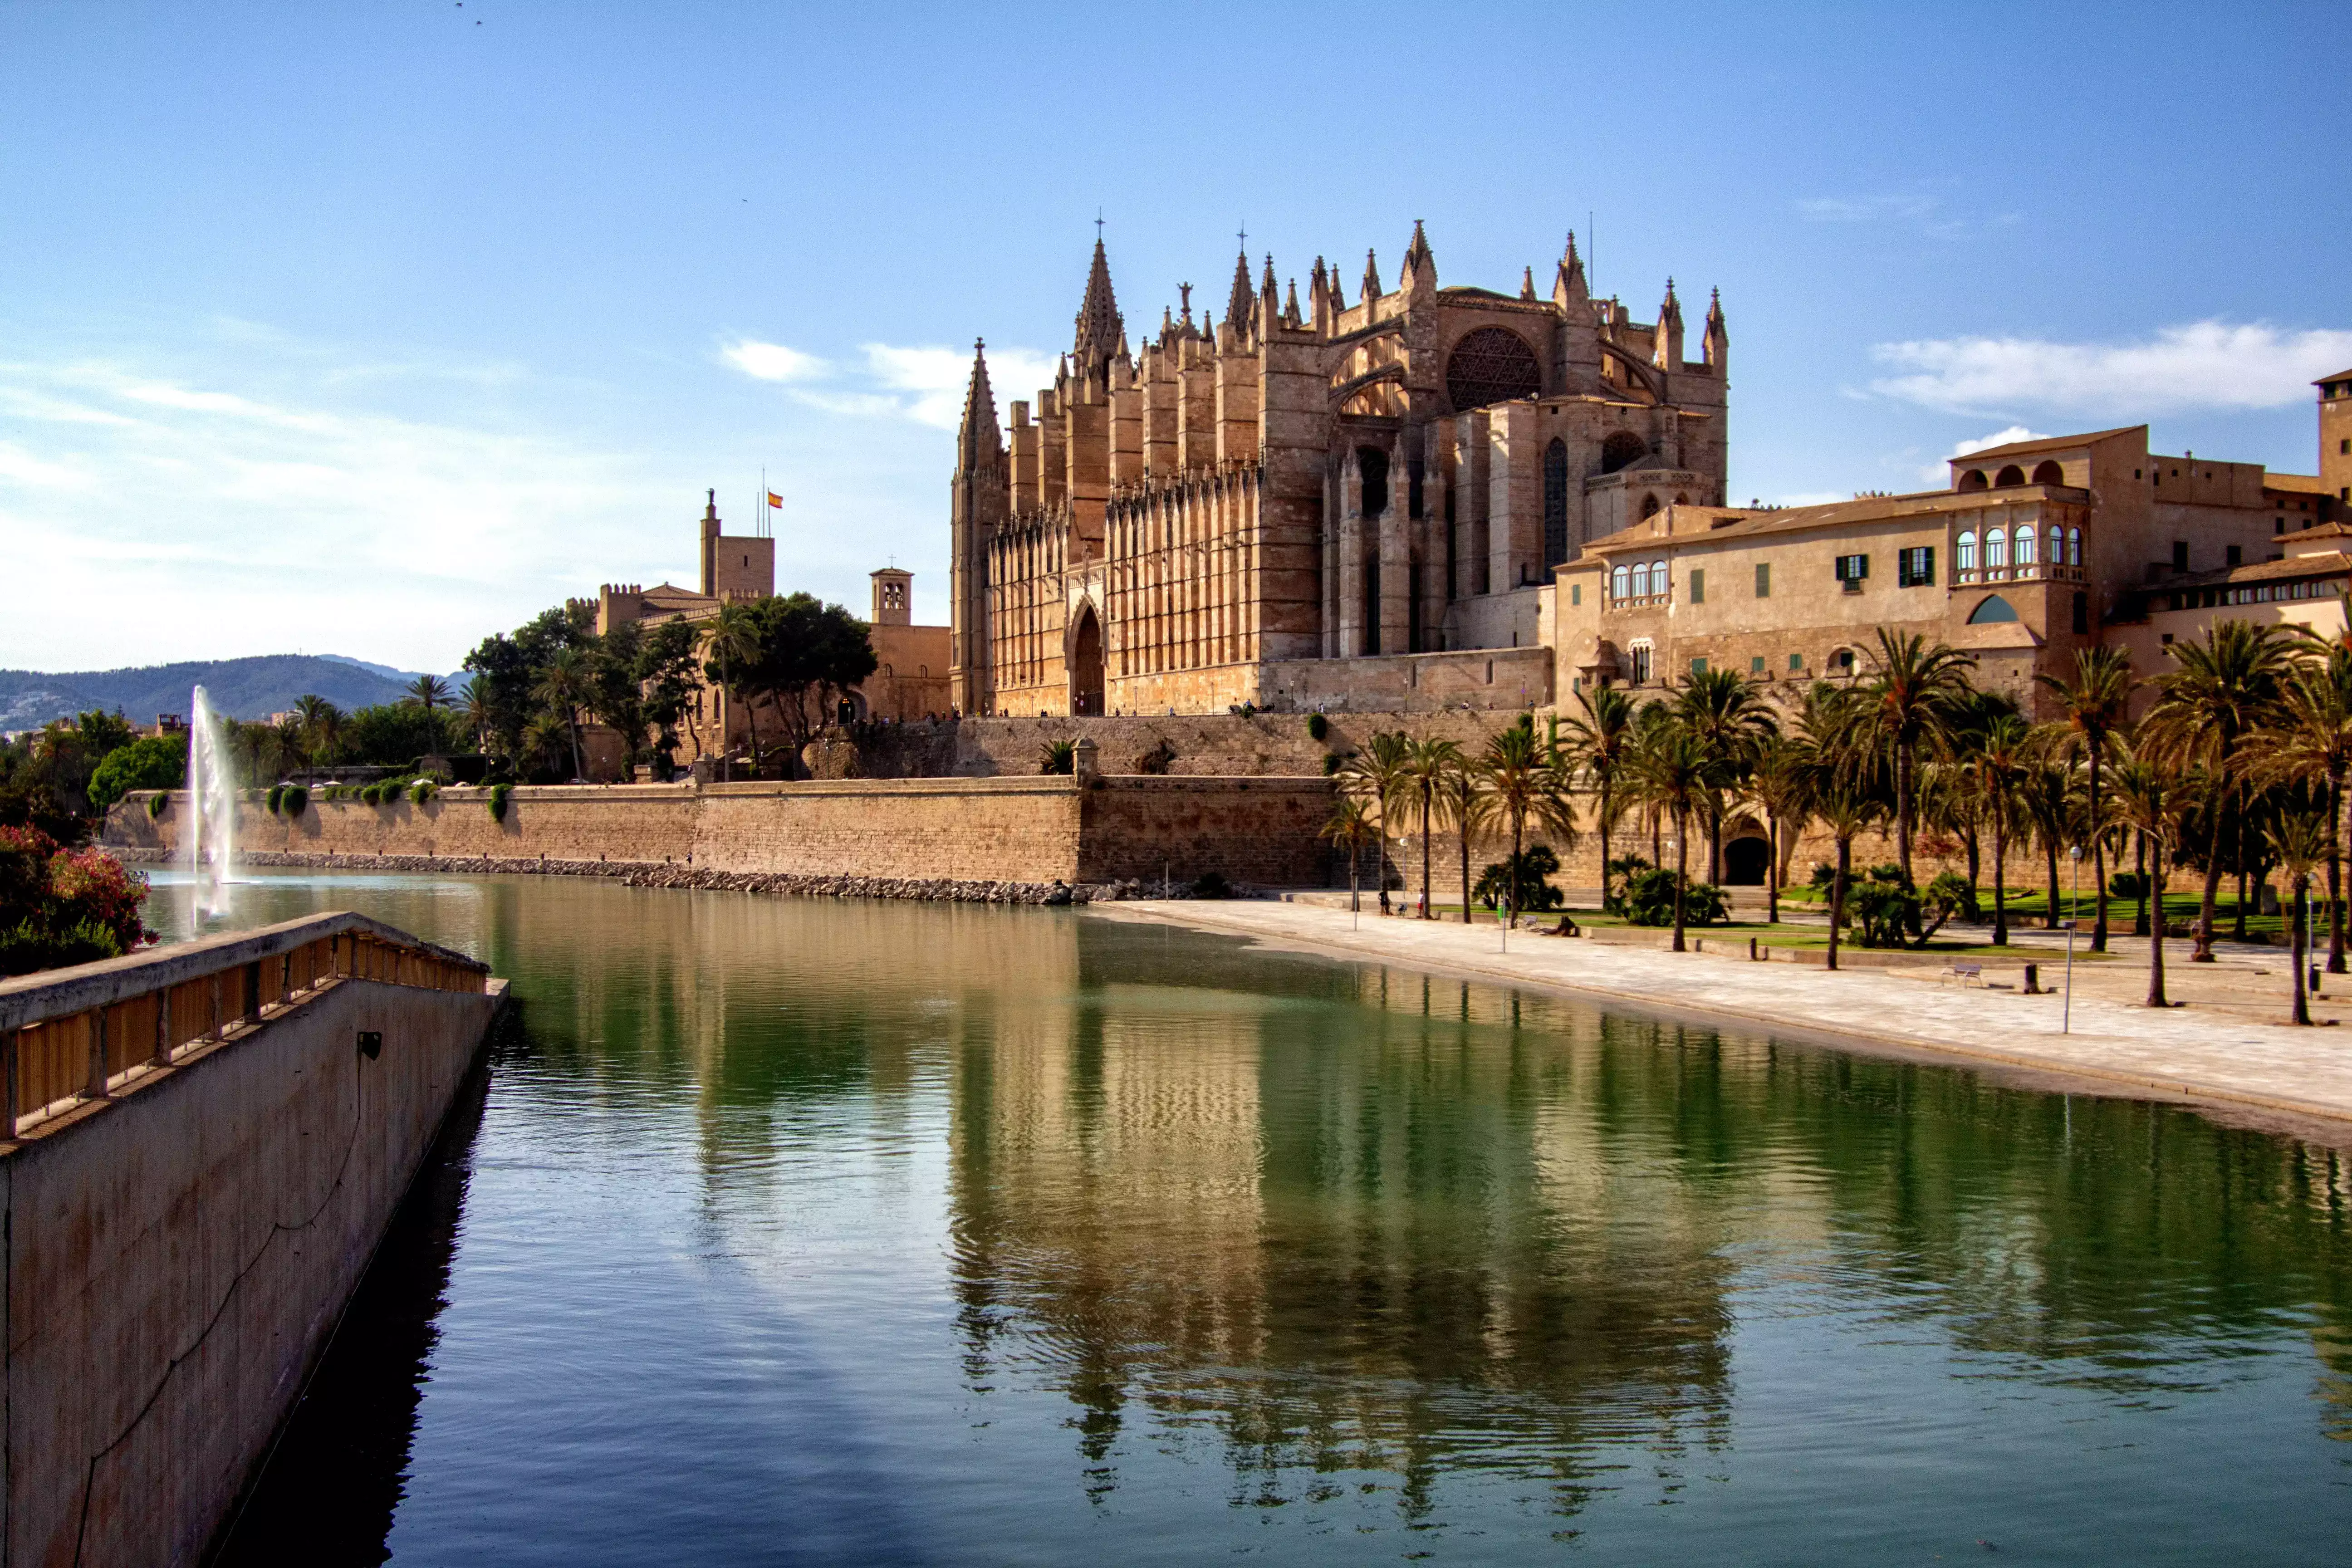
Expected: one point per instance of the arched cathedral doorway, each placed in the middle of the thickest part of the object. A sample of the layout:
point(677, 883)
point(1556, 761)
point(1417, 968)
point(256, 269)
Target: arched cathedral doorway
point(1087, 664)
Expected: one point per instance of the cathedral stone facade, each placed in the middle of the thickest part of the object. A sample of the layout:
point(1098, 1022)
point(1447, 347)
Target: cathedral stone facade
point(1344, 506)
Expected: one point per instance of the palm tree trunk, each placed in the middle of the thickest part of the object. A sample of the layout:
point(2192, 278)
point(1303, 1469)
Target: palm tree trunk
point(2203, 951)
point(2050, 922)
point(1715, 842)
point(578, 768)
point(1425, 901)
point(1837, 894)
point(2156, 997)
point(1772, 870)
point(2000, 884)
point(1682, 863)
point(2098, 860)
point(1976, 866)
point(1511, 882)
point(2335, 873)
point(2302, 1004)
point(1657, 837)
point(1465, 822)
point(2139, 866)
point(1903, 809)
point(1604, 846)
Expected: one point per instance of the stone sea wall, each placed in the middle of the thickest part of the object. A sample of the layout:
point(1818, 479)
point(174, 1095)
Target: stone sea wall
point(990, 839)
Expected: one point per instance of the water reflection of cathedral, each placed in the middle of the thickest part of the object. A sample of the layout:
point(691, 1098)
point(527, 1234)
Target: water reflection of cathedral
point(1336, 1233)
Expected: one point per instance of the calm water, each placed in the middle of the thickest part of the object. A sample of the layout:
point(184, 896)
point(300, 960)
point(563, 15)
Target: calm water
point(794, 1232)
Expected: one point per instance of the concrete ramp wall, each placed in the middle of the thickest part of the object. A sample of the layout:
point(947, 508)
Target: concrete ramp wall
point(184, 1228)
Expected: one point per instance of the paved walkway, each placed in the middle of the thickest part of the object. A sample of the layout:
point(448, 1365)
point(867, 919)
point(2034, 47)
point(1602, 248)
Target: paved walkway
point(2229, 1044)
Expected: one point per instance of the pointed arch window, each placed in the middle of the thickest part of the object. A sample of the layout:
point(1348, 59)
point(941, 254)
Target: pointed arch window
point(1992, 611)
point(1555, 505)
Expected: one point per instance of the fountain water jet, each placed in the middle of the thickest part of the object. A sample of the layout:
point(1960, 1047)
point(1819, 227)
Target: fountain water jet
point(212, 800)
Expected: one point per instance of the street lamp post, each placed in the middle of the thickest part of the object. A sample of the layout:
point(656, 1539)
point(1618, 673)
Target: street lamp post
point(2066, 1018)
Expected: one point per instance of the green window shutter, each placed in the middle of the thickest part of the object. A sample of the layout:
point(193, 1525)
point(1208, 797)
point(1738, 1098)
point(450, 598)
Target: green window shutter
point(1698, 667)
point(1699, 586)
point(1763, 579)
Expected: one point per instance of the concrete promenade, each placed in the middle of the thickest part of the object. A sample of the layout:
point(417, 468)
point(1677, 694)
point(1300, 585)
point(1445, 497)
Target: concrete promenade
point(2229, 1046)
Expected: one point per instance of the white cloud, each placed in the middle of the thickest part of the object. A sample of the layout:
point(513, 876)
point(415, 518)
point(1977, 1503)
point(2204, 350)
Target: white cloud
point(922, 383)
point(217, 520)
point(1938, 475)
point(774, 362)
point(1924, 213)
point(2202, 365)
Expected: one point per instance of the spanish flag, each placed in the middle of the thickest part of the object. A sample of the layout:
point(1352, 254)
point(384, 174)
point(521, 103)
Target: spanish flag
point(774, 499)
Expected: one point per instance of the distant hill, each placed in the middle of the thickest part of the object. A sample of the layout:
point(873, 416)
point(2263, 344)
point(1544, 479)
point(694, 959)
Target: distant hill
point(242, 688)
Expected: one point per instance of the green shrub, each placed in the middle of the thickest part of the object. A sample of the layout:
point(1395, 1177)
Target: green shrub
point(155, 804)
point(2128, 884)
point(498, 792)
point(294, 801)
point(276, 791)
point(1332, 762)
point(422, 790)
point(1058, 757)
point(1528, 888)
point(1886, 910)
point(1650, 900)
point(1318, 726)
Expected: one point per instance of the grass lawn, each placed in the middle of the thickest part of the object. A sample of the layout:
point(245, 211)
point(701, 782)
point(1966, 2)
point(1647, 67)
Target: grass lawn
point(1951, 940)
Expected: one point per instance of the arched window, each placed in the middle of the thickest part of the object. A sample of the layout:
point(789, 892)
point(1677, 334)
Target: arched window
point(1641, 582)
point(1555, 516)
point(1994, 609)
point(2073, 547)
point(1617, 583)
point(1974, 480)
point(1621, 451)
point(2057, 546)
point(1996, 549)
point(2025, 536)
point(1649, 506)
point(2011, 475)
point(1657, 576)
point(1842, 661)
point(1964, 555)
point(1638, 661)
point(2048, 472)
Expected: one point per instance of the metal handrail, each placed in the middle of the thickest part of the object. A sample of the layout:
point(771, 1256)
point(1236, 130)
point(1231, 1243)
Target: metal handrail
point(70, 1035)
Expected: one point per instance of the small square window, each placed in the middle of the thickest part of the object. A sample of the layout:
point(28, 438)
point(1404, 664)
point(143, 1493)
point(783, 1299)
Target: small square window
point(1698, 667)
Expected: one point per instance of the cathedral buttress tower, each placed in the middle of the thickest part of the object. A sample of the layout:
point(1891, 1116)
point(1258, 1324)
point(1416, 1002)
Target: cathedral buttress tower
point(979, 493)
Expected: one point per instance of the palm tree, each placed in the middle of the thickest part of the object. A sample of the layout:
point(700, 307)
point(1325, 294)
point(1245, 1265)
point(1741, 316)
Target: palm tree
point(1678, 775)
point(2222, 690)
point(1427, 766)
point(1996, 772)
point(1834, 731)
point(564, 687)
point(1723, 711)
point(1351, 827)
point(2311, 742)
point(2299, 838)
point(737, 649)
point(1598, 745)
point(482, 712)
point(1846, 806)
point(1522, 777)
point(427, 691)
point(1913, 689)
point(1378, 776)
point(2046, 794)
point(321, 725)
point(1466, 813)
point(2095, 703)
point(2149, 801)
point(1782, 783)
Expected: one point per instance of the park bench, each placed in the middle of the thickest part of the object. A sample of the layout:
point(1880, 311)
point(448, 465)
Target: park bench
point(1963, 972)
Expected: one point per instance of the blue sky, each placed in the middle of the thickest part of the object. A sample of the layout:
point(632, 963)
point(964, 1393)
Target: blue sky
point(372, 328)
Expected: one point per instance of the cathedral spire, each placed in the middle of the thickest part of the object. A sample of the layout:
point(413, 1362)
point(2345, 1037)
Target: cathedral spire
point(1371, 277)
point(1239, 302)
point(1099, 323)
point(979, 439)
point(1420, 263)
point(1569, 286)
point(1290, 317)
point(1717, 345)
point(1528, 284)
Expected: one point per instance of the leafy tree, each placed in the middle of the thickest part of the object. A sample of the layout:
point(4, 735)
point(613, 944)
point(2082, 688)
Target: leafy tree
point(1596, 746)
point(394, 735)
point(1526, 779)
point(1726, 715)
point(156, 762)
point(1429, 767)
point(739, 645)
point(565, 687)
point(1913, 689)
point(1997, 775)
point(1652, 898)
point(2310, 742)
point(1677, 773)
point(1350, 826)
point(2300, 839)
point(428, 692)
point(665, 670)
point(1521, 883)
point(1379, 776)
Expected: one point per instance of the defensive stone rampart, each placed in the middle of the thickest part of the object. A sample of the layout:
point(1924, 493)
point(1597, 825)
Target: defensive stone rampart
point(186, 1220)
point(951, 836)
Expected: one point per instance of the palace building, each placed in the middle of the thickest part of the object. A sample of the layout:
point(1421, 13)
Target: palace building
point(1356, 505)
